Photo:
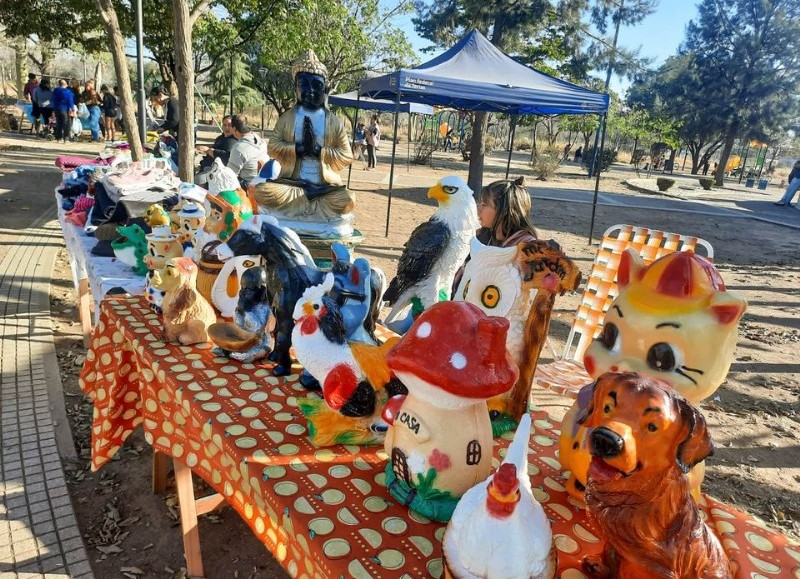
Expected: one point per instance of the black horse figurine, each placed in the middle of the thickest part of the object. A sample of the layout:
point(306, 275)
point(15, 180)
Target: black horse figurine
point(290, 271)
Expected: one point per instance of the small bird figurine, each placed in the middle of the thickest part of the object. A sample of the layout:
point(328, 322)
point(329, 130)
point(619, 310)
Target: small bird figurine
point(433, 254)
point(499, 530)
point(156, 216)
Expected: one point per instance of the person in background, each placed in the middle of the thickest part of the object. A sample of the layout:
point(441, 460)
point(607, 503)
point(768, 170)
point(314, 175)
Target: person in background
point(578, 154)
point(27, 94)
point(792, 188)
point(705, 167)
point(43, 97)
point(359, 142)
point(247, 152)
point(504, 213)
point(91, 99)
point(567, 147)
point(220, 149)
point(75, 87)
point(109, 106)
point(373, 133)
point(160, 97)
point(63, 106)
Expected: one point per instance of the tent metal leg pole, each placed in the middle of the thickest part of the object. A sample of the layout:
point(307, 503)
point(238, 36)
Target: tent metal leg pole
point(355, 124)
point(597, 177)
point(511, 144)
point(596, 139)
point(391, 170)
point(408, 145)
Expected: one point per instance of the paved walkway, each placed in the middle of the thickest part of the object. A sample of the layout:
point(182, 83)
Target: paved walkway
point(39, 535)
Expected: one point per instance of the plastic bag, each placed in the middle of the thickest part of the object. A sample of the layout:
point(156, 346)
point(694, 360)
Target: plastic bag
point(83, 111)
point(77, 127)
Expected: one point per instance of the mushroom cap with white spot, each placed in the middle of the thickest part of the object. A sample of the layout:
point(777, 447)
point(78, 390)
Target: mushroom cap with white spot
point(456, 347)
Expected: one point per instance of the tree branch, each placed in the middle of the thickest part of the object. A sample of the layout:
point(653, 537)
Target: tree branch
point(198, 10)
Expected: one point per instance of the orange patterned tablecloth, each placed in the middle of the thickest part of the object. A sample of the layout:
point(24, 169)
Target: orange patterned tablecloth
point(321, 512)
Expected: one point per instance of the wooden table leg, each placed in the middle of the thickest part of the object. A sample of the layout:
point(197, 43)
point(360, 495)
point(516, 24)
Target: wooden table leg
point(85, 310)
point(191, 533)
point(160, 472)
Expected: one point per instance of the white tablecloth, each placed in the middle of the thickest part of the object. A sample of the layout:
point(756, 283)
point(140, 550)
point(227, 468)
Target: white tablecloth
point(102, 273)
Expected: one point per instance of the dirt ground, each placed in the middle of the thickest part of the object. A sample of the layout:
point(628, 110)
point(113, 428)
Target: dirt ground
point(753, 418)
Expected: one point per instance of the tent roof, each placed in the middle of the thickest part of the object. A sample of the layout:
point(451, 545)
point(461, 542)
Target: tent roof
point(350, 99)
point(476, 75)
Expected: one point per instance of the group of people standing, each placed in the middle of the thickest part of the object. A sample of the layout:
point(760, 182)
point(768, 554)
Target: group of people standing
point(367, 139)
point(63, 106)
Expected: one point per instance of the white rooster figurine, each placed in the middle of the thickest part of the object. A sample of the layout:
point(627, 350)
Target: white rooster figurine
point(498, 530)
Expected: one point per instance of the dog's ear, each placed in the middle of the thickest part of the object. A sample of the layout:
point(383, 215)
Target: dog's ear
point(697, 444)
point(585, 403)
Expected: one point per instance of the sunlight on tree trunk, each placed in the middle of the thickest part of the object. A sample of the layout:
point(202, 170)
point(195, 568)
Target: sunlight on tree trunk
point(20, 56)
point(477, 150)
point(184, 73)
point(108, 15)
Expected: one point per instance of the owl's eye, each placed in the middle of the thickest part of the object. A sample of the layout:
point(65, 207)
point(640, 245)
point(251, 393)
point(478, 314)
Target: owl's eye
point(610, 336)
point(490, 296)
point(466, 290)
point(449, 189)
point(249, 263)
point(661, 357)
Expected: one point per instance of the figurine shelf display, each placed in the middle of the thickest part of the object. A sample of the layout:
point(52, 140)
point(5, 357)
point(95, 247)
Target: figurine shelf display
point(519, 283)
point(643, 438)
point(499, 530)
point(187, 314)
point(249, 337)
point(162, 246)
point(439, 443)
point(354, 377)
point(672, 320)
point(433, 254)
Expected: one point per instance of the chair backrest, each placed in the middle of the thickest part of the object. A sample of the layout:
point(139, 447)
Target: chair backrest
point(601, 287)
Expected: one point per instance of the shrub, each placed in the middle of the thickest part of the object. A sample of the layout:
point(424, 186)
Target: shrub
point(545, 162)
point(522, 144)
point(608, 156)
point(638, 156)
point(663, 183)
point(706, 183)
point(423, 151)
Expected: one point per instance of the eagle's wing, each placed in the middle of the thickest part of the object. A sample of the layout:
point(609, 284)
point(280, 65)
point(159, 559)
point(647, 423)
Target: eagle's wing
point(423, 249)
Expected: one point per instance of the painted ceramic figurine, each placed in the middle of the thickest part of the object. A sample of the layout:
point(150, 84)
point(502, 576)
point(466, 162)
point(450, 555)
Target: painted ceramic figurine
point(131, 247)
point(191, 219)
point(672, 320)
point(156, 216)
point(226, 211)
point(290, 271)
point(433, 254)
point(225, 289)
point(355, 379)
point(162, 245)
point(439, 442)
point(519, 283)
point(187, 314)
point(311, 146)
point(643, 438)
point(499, 530)
point(248, 338)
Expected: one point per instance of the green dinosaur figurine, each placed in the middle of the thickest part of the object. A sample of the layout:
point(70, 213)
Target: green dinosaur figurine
point(131, 247)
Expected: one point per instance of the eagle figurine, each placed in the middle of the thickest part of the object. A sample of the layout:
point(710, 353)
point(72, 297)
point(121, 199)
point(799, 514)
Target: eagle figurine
point(433, 254)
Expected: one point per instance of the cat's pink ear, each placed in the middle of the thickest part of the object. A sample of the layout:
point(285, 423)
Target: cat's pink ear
point(727, 307)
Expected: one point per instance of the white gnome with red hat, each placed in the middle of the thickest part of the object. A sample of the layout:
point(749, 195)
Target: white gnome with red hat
point(452, 360)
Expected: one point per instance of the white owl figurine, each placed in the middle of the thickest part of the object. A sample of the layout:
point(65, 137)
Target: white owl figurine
point(221, 178)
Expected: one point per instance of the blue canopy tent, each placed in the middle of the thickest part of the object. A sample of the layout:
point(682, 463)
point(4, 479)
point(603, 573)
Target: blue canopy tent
point(476, 75)
point(354, 100)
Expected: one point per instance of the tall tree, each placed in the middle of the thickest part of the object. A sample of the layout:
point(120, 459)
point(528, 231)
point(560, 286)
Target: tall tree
point(745, 55)
point(505, 22)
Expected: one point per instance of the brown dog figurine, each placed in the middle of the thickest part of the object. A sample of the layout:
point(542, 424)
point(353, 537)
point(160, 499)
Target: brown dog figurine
point(644, 438)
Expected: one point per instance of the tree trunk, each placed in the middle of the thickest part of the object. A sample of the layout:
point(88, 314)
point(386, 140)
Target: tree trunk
point(48, 53)
point(98, 75)
point(184, 73)
point(108, 15)
point(719, 176)
point(477, 150)
point(671, 161)
point(20, 58)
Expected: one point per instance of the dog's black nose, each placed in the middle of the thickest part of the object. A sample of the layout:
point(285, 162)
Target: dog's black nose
point(606, 443)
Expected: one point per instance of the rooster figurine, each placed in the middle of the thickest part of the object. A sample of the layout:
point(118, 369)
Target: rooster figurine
point(355, 379)
point(498, 530)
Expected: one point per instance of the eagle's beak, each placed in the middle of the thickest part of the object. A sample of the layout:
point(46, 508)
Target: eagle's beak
point(436, 192)
point(308, 309)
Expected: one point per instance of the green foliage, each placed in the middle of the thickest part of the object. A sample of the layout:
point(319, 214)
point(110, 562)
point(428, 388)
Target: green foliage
point(663, 183)
point(545, 162)
point(219, 83)
point(706, 183)
point(607, 157)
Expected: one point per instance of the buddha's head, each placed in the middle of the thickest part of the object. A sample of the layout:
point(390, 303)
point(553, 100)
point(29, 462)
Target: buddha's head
point(310, 81)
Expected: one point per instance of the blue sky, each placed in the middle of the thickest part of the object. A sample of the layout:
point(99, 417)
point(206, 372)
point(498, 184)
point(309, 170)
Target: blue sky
point(659, 35)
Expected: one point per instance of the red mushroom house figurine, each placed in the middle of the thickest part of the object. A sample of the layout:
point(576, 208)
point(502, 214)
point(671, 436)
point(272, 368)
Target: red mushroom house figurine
point(452, 360)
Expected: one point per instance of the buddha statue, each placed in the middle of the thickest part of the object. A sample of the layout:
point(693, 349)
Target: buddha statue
point(312, 147)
